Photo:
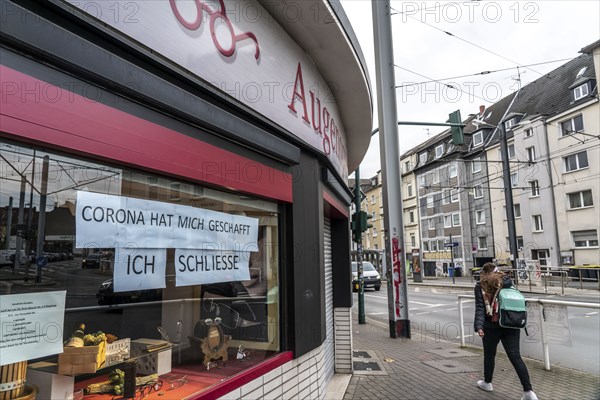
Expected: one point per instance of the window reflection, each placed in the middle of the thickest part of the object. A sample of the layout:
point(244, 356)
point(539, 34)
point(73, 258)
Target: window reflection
point(36, 185)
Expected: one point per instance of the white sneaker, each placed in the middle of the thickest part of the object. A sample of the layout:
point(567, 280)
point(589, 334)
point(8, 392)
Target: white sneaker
point(486, 386)
point(530, 395)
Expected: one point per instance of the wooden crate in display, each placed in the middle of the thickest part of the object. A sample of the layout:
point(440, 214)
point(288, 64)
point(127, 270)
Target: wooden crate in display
point(82, 360)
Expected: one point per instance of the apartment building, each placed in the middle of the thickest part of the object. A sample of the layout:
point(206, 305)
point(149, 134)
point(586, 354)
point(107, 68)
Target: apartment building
point(552, 135)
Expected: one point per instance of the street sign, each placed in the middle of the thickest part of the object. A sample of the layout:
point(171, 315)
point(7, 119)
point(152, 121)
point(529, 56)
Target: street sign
point(453, 244)
point(41, 261)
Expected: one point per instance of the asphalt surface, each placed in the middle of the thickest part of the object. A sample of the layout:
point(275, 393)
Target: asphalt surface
point(429, 367)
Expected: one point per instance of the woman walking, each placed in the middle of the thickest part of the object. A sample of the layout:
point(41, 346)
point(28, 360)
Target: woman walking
point(487, 326)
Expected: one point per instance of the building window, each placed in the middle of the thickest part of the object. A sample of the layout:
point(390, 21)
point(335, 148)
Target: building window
point(511, 151)
point(580, 199)
point(477, 139)
point(572, 125)
point(407, 166)
point(514, 179)
point(446, 196)
point(517, 210)
point(480, 217)
point(425, 246)
point(453, 170)
point(439, 151)
point(430, 201)
point(534, 188)
point(152, 182)
point(510, 123)
point(528, 132)
point(447, 221)
point(433, 245)
point(175, 192)
point(413, 241)
point(423, 158)
point(530, 154)
point(576, 162)
point(538, 226)
point(373, 199)
point(411, 217)
point(454, 195)
point(436, 176)
point(422, 181)
point(456, 219)
point(431, 223)
point(409, 190)
point(478, 192)
point(520, 243)
point(374, 215)
point(476, 165)
point(581, 91)
point(482, 243)
point(374, 231)
point(585, 238)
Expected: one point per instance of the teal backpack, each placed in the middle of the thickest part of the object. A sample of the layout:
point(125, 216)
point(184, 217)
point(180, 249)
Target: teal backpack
point(512, 309)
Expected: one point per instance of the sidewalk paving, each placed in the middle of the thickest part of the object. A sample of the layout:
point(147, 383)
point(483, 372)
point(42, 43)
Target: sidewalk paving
point(425, 367)
point(429, 367)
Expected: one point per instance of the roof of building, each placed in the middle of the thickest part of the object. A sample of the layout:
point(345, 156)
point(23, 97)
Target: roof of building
point(548, 95)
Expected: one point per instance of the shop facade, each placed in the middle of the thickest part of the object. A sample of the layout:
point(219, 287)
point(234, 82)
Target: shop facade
point(174, 173)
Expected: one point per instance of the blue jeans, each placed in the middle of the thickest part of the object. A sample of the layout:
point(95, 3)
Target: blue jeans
point(511, 341)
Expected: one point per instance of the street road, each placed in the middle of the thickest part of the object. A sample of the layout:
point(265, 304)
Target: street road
point(433, 314)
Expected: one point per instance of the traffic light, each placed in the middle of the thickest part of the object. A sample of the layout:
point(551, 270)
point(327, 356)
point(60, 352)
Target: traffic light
point(457, 131)
point(355, 228)
point(364, 217)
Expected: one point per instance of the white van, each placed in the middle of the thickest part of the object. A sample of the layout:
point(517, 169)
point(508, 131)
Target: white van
point(371, 277)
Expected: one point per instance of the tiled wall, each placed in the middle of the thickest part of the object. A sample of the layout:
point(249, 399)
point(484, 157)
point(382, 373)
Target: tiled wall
point(303, 378)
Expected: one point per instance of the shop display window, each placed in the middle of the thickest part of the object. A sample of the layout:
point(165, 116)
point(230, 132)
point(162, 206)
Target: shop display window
point(167, 312)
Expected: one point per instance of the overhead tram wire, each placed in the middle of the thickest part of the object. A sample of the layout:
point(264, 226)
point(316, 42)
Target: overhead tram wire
point(466, 41)
point(480, 73)
point(441, 83)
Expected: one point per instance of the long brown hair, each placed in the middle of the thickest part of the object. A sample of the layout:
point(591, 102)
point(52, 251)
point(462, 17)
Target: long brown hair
point(491, 281)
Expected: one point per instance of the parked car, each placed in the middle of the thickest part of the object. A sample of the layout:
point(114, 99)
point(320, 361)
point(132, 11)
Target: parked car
point(91, 261)
point(371, 277)
point(107, 296)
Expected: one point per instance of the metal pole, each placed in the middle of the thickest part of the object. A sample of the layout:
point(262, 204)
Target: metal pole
point(359, 252)
point(508, 197)
point(42, 216)
point(452, 258)
point(545, 347)
point(29, 220)
point(461, 321)
point(8, 223)
point(20, 217)
point(390, 170)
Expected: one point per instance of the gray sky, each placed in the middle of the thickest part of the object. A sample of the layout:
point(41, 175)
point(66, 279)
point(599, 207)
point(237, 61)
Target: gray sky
point(487, 36)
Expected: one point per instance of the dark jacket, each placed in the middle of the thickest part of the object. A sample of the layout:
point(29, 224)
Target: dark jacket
point(481, 320)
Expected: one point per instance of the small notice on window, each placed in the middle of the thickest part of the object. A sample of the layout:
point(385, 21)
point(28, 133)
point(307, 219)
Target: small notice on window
point(32, 325)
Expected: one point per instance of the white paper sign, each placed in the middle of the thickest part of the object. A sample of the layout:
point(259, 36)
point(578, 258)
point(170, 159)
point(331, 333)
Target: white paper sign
point(32, 325)
point(139, 269)
point(557, 326)
point(556, 323)
point(107, 221)
point(194, 267)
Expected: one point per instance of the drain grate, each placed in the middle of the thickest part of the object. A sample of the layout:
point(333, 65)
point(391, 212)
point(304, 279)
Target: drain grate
point(361, 354)
point(451, 366)
point(366, 366)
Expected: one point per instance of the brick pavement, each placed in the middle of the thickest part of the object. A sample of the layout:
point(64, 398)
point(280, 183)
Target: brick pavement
point(411, 376)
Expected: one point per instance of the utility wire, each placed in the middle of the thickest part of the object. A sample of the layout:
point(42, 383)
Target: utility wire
point(466, 41)
point(479, 73)
point(441, 83)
